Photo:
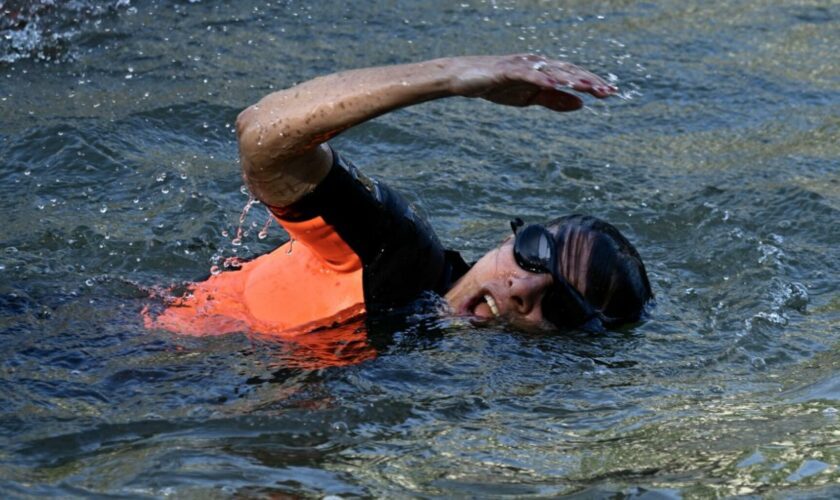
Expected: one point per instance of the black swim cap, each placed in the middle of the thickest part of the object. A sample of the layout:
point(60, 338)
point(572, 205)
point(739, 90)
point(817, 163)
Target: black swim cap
point(605, 268)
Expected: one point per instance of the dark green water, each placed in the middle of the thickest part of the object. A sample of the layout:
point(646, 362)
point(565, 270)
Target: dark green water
point(119, 178)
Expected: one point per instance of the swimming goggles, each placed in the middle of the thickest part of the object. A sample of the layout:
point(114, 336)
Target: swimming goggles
point(535, 251)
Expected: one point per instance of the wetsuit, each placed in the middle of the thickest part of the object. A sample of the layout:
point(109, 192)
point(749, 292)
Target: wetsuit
point(356, 246)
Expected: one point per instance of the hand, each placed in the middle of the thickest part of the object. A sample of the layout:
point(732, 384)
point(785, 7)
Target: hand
point(525, 80)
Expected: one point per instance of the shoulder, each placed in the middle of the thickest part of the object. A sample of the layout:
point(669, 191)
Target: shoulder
point(399, 251)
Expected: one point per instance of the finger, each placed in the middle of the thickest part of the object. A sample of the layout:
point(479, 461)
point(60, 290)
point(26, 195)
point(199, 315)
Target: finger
point(574, 77)
point(597, 89)
point(587, 83)
point(556, 100)
point(583, 82)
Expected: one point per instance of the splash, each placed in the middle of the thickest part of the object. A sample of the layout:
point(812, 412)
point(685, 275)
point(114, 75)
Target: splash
point(240, 230)
point(239, 236)
point(785, 297)
point(44, 30)
point(264, 231)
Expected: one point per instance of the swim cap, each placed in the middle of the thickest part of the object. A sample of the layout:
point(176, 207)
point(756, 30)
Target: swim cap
point(602, 266)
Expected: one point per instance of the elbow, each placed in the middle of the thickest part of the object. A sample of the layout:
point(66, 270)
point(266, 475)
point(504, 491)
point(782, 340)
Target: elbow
point(245, 120)
point(247, 127)
point(261, 150)
point(261, 135)
point(249, 133)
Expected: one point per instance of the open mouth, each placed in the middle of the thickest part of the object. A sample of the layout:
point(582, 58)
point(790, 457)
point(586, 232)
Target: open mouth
point(484, 307)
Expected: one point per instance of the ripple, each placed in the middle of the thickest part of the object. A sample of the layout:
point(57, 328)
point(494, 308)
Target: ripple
point(46, 31)
point(119, 177)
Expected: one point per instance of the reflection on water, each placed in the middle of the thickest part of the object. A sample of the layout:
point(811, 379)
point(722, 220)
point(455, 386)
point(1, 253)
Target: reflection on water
point(120, 183)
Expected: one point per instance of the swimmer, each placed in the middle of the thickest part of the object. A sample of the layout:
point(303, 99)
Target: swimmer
point(358, 247)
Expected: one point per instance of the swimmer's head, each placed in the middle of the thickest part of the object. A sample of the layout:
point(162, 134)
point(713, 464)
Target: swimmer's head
point(574, 271)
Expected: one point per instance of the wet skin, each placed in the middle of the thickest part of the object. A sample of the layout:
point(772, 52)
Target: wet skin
point(516, 293)
point(284, 155)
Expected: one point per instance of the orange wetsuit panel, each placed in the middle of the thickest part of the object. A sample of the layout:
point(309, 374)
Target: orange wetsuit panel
point(314, 276)
point(296, 284)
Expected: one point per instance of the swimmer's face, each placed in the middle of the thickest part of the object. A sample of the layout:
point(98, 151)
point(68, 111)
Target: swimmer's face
point(497, 288)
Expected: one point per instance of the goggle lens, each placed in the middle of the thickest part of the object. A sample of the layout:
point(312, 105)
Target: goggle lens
point(535, 251)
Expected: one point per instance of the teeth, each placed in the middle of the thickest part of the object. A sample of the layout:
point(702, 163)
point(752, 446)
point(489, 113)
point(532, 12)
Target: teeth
point(492, 303)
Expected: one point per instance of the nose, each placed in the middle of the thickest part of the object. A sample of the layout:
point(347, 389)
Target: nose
point(525, 291)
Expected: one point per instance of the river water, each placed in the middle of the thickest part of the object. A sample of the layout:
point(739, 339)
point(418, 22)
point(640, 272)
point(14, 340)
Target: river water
point(720, 161)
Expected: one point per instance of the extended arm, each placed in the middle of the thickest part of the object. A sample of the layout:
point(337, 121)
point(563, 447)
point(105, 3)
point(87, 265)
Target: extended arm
point(282, 137)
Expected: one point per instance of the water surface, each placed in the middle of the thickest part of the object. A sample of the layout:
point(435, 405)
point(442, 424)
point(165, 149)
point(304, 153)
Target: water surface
point(119, 178)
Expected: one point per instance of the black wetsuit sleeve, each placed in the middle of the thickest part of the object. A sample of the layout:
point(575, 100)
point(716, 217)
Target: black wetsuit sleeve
point(400, 253)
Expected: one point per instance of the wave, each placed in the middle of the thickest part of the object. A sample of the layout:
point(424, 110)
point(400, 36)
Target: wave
point(44, 30)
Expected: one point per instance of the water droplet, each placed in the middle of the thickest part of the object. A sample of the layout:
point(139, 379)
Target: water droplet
point(89, 282)
point(215, 270)
point(103, 209)
point(232, 263)
point(236, 242)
